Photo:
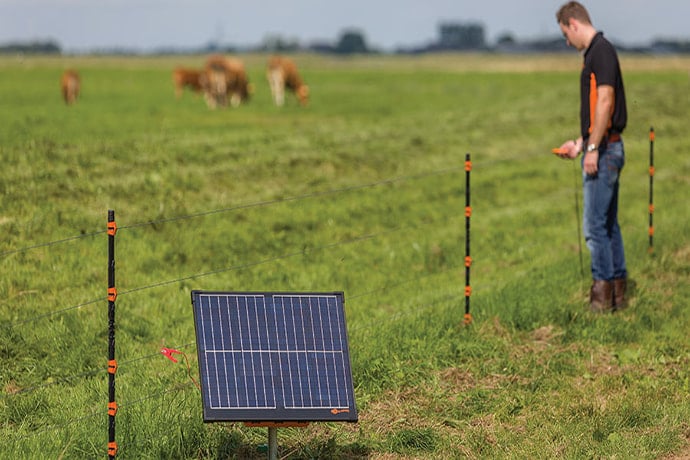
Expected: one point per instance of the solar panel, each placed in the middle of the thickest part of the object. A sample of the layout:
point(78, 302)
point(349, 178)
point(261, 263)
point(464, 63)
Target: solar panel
point(273, 356)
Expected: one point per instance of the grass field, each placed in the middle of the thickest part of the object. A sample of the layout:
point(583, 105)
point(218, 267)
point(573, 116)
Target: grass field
point(363, 191)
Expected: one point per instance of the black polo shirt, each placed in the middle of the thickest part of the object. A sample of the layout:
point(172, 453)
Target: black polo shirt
point(601, 67)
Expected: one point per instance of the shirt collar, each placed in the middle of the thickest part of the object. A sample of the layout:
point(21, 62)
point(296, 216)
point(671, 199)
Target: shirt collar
point(595, 39)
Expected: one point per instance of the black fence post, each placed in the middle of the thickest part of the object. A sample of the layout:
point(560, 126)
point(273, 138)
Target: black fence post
point(112, 363)
point(468, 258)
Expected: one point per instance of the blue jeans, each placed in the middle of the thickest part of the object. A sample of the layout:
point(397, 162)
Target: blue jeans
point(600, 222)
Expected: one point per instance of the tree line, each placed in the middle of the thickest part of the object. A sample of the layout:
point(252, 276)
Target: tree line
point(452, 36)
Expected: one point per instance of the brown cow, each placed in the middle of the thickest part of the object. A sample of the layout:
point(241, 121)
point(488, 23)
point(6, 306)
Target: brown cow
point(70, 83)
point(282, 73)
point(226, 77)
point(187, 78)
point(239, 88)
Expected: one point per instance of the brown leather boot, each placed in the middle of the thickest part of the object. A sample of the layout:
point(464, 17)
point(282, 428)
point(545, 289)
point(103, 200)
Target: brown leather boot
point(619, 287)
point(601, 296)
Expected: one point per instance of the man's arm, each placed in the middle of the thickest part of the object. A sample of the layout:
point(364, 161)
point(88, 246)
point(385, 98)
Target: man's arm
point(602, 116)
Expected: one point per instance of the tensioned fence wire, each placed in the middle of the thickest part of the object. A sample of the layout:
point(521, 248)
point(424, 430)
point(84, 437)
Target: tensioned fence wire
point(65, 379)
point(264, 203)
point(123, 364)
point(244, 206)
point(386, 287)
point(359, 328)
point(269, 260)
point(93, 413)
point(56, 380)
point(415, 310)
point(273, 259)
point(158, 394)
point(256, 204)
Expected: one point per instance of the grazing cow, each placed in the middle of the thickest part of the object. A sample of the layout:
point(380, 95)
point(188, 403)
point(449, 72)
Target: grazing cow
point(239, 88)
point(187, 78)
point(226, 77)
point(70, 83)
point(215, 82)
point(282, 73)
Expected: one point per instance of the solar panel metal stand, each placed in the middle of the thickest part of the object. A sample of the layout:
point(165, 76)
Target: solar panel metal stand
point(273, 433)
point(272, 443)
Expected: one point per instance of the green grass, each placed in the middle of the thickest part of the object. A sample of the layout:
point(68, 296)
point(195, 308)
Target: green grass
point(363, 191)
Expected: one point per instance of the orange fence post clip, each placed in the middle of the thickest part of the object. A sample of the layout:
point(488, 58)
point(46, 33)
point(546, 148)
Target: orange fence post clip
point(112, 228)
point(468, 319)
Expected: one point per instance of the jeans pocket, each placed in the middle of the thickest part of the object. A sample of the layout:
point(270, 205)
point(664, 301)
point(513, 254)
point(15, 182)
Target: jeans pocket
point(614, 160)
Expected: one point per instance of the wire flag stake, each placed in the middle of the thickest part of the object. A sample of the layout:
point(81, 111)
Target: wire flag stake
point(577, 218)
point(651, 190)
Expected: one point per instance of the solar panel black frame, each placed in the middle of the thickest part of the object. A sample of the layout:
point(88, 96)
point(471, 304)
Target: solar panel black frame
point(292, 366)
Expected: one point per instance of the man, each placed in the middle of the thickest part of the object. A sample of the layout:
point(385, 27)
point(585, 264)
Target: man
point(603, 117)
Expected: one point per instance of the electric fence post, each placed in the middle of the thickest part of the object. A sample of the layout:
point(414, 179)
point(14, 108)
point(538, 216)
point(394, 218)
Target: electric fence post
point(112, 363)
point(468, 258)
point(651, 190)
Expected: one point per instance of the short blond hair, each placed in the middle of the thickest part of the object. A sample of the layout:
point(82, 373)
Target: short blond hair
point(573, 10)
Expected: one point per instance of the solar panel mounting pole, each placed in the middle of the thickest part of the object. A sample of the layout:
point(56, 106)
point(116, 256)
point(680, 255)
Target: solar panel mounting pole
point(272, 443)
point(273, 433)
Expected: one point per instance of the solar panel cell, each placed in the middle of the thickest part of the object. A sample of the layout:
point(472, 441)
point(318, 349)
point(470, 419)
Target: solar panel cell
point(273, 356)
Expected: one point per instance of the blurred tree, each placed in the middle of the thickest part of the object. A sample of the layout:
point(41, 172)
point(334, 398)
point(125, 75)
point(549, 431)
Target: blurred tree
point(506, 38)
point(457, 36)
point(36, 47)
point(276, 43)
point(350, 42)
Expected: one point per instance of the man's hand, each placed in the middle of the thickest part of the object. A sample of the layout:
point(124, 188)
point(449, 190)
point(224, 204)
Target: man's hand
point(570, 149)
point(591, 161)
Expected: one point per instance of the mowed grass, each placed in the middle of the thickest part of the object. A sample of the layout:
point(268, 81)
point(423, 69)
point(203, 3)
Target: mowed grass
point(363, 191)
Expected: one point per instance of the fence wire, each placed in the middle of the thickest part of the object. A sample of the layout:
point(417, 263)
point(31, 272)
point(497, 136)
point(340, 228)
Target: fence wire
point(364, 327)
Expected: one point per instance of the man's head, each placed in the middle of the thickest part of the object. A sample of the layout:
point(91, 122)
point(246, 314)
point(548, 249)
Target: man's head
point(576, 25)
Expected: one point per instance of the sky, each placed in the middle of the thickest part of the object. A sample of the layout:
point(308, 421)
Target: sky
point(146, 25)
